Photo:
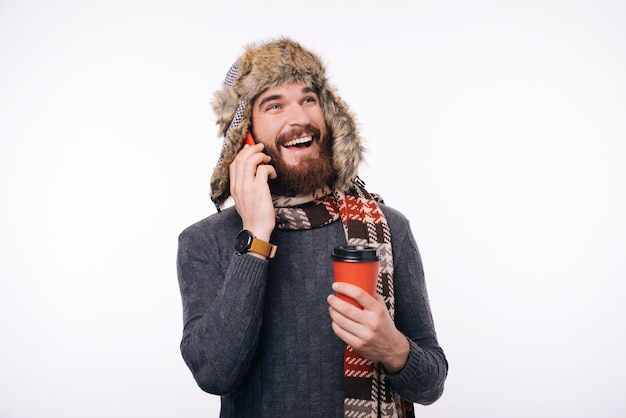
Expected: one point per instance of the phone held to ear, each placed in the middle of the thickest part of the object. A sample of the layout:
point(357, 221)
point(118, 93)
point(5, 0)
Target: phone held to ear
point(249, 139)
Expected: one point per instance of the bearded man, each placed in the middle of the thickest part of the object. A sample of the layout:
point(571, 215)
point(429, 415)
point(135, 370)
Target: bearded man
point(263, 326)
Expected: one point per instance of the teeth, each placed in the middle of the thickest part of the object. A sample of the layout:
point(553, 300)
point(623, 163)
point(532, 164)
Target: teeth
point(298, 141)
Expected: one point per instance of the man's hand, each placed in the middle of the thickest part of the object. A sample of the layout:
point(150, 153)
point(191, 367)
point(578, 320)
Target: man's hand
point(370, 331)
point(249, 174)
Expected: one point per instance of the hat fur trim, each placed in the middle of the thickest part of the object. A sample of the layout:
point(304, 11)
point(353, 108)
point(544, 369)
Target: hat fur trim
point(271, 64)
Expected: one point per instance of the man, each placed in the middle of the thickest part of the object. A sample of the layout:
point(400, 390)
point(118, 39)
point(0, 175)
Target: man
point(262, 325)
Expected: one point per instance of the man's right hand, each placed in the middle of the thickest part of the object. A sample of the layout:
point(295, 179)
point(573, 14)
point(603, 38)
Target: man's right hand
point(249, 175)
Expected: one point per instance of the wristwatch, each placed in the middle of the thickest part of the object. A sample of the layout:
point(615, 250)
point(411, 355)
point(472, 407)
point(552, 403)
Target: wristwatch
point(245, 242)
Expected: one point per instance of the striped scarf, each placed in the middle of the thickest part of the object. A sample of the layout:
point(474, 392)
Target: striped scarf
point(366, 387)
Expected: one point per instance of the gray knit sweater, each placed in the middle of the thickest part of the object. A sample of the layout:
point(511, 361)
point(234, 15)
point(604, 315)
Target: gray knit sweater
point(259, 334)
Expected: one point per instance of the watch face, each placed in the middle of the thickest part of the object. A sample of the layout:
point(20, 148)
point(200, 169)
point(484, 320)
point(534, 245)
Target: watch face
point(242, 242)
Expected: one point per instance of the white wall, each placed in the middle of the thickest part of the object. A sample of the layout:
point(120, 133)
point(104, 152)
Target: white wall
point(499, 128)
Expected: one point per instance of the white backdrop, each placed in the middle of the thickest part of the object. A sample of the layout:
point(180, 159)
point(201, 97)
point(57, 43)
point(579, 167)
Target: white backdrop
point(498, 128)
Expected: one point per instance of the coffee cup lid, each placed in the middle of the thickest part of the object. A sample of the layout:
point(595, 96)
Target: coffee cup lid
point(355, 253)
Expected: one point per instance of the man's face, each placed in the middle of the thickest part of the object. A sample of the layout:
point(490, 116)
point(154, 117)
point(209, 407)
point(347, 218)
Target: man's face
point(288, 120)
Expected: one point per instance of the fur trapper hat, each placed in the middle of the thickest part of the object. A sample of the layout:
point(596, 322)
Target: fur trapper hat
point(271, 64)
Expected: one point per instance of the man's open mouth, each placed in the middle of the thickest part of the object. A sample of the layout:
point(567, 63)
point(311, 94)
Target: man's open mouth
point(299, 142)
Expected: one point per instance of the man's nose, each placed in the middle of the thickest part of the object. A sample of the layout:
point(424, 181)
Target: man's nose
point(298, 115)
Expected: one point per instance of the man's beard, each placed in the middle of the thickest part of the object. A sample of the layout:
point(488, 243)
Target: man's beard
point(305, 177)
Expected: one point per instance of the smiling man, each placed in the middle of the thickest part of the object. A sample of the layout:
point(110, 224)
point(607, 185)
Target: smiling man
point(263, 327)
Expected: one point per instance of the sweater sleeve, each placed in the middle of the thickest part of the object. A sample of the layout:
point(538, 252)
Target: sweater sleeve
point(422, 379)
point(222, 310)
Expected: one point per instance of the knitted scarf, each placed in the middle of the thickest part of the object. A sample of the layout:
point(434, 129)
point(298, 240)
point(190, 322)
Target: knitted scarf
point(366, 387)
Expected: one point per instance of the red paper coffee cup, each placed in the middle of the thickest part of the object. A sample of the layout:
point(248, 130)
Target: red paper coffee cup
point(357, 265)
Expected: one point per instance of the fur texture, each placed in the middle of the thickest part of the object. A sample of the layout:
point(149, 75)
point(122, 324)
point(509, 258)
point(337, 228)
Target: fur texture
point(270, 64)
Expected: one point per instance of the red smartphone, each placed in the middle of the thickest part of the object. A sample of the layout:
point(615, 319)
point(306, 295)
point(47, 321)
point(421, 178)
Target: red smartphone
point(250, 140)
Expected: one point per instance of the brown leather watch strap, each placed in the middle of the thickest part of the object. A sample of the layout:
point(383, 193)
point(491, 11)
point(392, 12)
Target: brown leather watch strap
point(264, 248)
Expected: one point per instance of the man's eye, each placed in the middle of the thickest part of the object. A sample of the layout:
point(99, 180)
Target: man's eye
point(273, 106)
point(309, 100)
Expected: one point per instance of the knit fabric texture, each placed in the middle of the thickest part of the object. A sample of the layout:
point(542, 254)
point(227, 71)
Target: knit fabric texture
point(367, 390)
point(258, 334)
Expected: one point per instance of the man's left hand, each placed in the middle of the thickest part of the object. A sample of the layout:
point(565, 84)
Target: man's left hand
point(369, 331)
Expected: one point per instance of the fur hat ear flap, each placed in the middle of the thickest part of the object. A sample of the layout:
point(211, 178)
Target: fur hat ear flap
point(233, 116)
point(268, 65)
point(233, 142)
point(346, 142)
